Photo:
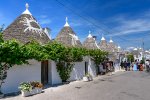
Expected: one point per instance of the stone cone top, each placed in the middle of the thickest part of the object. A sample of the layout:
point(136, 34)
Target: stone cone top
point(25, 28)
point(67, 36)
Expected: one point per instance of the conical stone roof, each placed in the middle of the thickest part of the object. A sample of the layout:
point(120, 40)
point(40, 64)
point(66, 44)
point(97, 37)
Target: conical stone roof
point(103, 44)
point(67, 36)
point(90, 42)
point(111, 46)
point(25, 28)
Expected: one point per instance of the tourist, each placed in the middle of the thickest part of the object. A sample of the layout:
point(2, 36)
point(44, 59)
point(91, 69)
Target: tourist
point(128, 66)
point(125, 65)
point(132, 66)
point(138, 64)
point(110, 68)
point(147, 65)
point(122, 65)
point(135, 67)
point(141, 66)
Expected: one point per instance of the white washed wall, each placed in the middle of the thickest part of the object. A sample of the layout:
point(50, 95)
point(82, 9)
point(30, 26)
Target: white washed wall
point(21, 73)
point(77, 73)
point(54, 74)
point(49, 72)
point(91, 68)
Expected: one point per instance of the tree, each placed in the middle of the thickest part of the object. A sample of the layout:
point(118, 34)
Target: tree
point(65, 66)
point(98, 57)
point(34, 50)
point(59, 53)
point(142, 61)
point(65, 58)
point(130, 57)
point(13, 53)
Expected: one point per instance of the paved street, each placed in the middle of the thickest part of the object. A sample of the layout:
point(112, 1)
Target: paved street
point(121, 86)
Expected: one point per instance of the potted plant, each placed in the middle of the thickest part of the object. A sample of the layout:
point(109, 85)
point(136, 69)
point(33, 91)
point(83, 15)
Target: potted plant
point(36, 87)
point(25, 89)
point(30, 88)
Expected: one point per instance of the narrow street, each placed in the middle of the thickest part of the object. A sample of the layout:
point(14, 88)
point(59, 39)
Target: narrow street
point(121, 86)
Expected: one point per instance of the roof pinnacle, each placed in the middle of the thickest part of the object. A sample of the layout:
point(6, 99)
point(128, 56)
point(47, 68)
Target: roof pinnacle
point(66, 25)
point(27, 5)
point(102, 37)
point(119, 47)
point(27, 11)
point(89, 36)
point(111, 40)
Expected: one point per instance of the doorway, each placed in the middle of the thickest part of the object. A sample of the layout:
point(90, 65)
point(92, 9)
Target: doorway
point(44, 72)
point(86, 68)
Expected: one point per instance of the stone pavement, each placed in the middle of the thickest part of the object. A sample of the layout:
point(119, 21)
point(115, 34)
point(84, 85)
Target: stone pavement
point(121, 86)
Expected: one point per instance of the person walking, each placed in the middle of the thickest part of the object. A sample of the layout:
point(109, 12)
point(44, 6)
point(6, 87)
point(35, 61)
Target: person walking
point(147, 65)
point(132, 66)
point(128, 66)
point(125, 65)
point(135, 67)
point(138, 64)
point(109, 68)
point(141, 66)
point(122, 65)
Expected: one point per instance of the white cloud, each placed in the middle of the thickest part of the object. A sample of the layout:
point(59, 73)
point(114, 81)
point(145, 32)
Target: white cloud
point(45, 21)
point(127, 26)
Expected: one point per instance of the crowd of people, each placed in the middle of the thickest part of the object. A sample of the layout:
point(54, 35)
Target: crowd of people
point(107, 67)
point(134, 66)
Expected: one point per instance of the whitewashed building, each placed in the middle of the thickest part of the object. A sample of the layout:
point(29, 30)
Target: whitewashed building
point(26, 28)
point(68, 37)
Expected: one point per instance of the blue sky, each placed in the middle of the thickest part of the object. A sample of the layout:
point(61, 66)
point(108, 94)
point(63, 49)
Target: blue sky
point(126, 21)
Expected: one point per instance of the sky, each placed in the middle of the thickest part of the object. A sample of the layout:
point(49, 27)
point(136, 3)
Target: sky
point(127, 22)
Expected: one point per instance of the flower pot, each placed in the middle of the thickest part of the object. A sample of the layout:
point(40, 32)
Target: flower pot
point(39, 90)
point(34, 91)
point(25, 93)
point(85, 79)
